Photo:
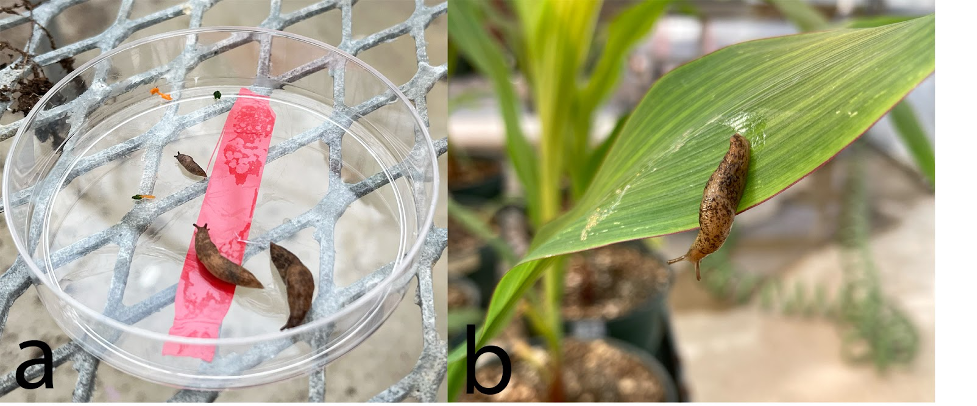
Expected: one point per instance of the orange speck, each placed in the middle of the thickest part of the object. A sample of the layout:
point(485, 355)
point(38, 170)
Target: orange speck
point(165, 96)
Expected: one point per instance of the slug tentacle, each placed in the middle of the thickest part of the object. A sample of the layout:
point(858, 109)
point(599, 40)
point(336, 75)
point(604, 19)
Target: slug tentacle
point(299, 284)
point(672, 261)
point(218, 265)
point(720, 198)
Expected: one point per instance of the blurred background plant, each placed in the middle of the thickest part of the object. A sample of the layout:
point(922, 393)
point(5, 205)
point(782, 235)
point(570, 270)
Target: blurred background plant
point(569, 79)
point(876, 330)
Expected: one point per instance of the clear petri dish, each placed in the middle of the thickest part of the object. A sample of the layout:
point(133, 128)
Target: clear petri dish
point(348, 184)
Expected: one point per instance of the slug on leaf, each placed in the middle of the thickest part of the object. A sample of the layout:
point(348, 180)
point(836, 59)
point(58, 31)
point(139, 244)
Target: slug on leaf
point(189, 164)
point(719, 201)
point(298, 284)
point(218, 265)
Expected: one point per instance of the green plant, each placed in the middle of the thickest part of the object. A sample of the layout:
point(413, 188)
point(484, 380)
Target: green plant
point(800, 99)
point(875, 329)
point(554, 60)
point(806, 18)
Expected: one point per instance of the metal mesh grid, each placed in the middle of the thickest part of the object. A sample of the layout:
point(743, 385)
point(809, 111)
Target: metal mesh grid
point(429, 371)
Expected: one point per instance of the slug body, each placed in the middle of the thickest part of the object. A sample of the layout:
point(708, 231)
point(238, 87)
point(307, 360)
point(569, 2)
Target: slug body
point(299, 284)
point(719, 201)
point(218, 265)
point(190, 165)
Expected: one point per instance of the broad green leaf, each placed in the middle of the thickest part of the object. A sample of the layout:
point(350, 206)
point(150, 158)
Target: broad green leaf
point(903, 115)
point(799, 99)
point(596, 158)
point(806, 18)
point(474, 42)
point(877, 21)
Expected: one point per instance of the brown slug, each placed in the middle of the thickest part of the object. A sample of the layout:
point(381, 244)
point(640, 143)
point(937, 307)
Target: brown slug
point(188, 163)
point(719, 201)
point(218, 265)
point(299, 284)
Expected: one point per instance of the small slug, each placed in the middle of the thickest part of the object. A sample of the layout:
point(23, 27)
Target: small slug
point(189, 164)
point(218, 265)
point(140, 197)
point(298, 284)
point(217, 95)
point(719, 201)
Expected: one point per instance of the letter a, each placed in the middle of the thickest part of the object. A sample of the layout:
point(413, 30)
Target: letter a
point(48, 360)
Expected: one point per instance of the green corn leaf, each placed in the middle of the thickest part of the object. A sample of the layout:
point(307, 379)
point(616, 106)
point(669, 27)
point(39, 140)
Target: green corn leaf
point(806, 18)
point(474, 42)
point(799, 99)
point(627, 28)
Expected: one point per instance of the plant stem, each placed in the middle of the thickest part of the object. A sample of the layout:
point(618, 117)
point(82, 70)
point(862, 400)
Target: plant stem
point(531, 309)
point(553, 285)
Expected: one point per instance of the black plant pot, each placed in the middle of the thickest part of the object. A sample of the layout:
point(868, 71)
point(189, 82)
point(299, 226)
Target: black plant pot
point(661, 373)
point(485, 189)
point(648, 326)
point(668, 355)
point(485, 276)
point(475, 300)
point(665, 377)
point(479, 267)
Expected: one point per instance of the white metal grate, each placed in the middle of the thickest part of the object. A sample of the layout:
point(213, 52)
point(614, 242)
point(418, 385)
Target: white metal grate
point(425, 378)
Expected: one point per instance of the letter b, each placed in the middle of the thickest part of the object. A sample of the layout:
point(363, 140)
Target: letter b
point(473, 357)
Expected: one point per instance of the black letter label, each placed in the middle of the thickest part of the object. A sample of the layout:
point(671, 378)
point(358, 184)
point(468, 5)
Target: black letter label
point(472, 358)
point(48, 360)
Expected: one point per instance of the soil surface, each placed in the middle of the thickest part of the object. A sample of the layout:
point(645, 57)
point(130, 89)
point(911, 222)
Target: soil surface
point(464, 247)
point(609, 282)
point(594, 371)
point(460, 295)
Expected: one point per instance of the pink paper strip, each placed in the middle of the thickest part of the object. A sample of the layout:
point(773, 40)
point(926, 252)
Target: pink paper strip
point(202, 300)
